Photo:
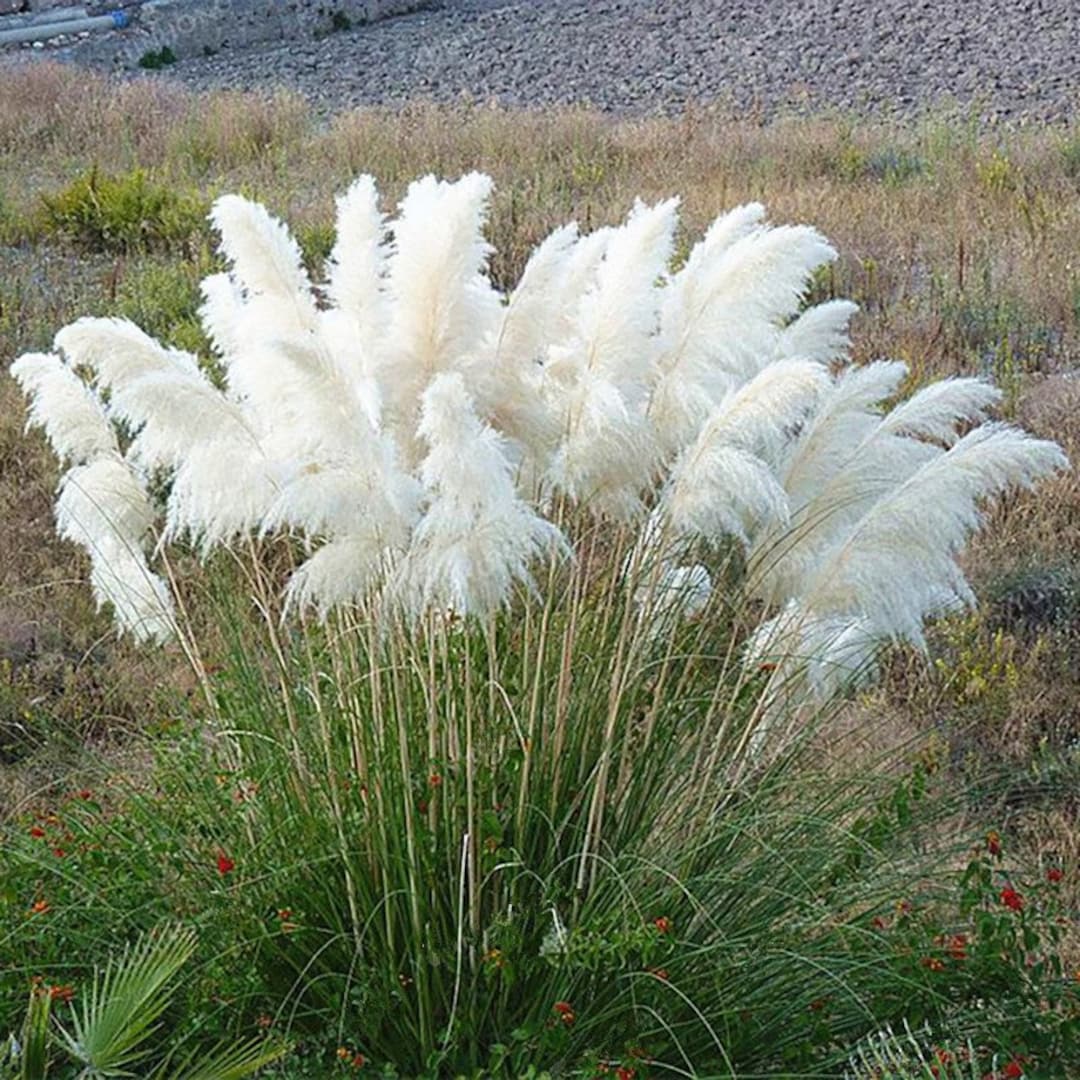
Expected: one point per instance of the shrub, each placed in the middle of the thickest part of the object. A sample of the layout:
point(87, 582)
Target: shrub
point(123, 213)
point(155, 59)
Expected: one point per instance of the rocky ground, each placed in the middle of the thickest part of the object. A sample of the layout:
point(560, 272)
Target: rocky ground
point(997, 59)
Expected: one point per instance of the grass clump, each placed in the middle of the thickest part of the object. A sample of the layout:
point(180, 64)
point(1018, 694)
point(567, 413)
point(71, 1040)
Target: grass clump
point(124, 213)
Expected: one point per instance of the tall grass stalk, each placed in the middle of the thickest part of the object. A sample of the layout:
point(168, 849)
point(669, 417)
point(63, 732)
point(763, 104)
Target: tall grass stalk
point(480, 819)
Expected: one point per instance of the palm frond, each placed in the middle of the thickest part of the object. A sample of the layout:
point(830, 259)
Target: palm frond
point(115, 1019)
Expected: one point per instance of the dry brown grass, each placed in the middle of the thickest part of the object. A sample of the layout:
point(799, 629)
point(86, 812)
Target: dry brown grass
point(961, 248)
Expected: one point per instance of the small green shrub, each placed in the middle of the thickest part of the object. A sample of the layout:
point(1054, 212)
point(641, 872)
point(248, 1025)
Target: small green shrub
point(163, 295)
point(894, 166)
point(156, 59)
point(123, 213)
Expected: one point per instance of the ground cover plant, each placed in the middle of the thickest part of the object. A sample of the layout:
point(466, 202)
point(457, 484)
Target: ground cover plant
point(553, 838)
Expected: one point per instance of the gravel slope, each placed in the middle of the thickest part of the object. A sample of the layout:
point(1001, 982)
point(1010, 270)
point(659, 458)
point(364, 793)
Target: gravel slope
point(1009, 59)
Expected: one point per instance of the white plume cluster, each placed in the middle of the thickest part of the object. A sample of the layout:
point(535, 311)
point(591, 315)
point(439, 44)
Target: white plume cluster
point(102, 504)
point(414, 426)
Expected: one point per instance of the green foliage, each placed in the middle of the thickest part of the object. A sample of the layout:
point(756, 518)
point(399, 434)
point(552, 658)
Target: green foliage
point(162, 296)
point(112, 1026)
point(124, 213)
point(475, 851)
point(891, 165)
point(156, 59)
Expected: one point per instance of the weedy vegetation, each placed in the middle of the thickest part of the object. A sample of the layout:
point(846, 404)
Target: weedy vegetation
point(544, 650)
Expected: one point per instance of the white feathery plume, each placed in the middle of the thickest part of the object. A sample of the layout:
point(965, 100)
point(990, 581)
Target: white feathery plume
point(934, 411)
point(763, 275)
point(725, 484)
point(720, 320)
point(846, 415)
point(618, 315)
point(222, 313)
point(848, 457)
point(526, 327)
point(677, 593)
point(442, 300)
point(578, 281)
point(221, 489)
point(723, 491)
point(606, 454)
point(815, 655)
point(358, 260)
point(348, 570)
point(266, 263)
point(70, 413)
point(102, 507)
point(118, 351)
point(477, 538)
point(349, 497)
point(102, 503)
point(172, 414)
point(726, 229)
point(897, 566)
point(508, 387)
point(819, 333)
point(141, 602)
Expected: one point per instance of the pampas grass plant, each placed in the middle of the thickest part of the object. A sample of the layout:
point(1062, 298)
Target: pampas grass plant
point(536, 603)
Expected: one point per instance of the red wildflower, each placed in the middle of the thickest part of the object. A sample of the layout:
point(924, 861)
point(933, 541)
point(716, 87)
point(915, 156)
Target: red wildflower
point(264, 1021)
point(225, 865)
point(39, 907)
point(1012, 899)
point(624, 1073)
point(59, 852)
point(422, 806)
point(86, 794)
point(37, 832)
point(565, 1011)
point(284, 913)
point(933, 963)
point(62, 993)
point(993, 843)
point(1054, 875)
point(435, 780)
point(663, 924)
point(660, 973)
point(879, 923)
point(903, 907)
point(958, 947)
point(1013, 1070)
point(357, 1061)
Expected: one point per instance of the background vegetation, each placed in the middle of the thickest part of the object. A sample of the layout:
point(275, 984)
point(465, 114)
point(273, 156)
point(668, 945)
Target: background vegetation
point(959, 244)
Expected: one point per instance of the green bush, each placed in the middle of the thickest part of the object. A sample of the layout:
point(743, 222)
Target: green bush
point(126, 213)
point(155, 59)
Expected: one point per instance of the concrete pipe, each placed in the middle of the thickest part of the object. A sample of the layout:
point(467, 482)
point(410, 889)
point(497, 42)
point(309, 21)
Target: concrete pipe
point(116, 20)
